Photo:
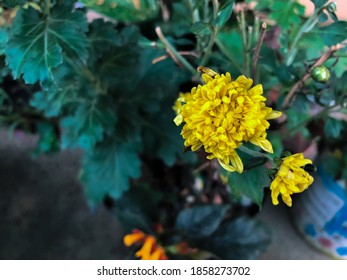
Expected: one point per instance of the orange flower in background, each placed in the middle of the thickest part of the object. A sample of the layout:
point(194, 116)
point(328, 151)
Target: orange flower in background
point(150, 250)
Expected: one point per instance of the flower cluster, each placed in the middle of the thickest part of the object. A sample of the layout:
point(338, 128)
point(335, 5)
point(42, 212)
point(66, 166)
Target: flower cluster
point(290, 178)
point(149, 250)
point(221, 115)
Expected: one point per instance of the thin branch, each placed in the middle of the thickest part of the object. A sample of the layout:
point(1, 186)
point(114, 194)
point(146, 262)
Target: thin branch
point(163, 57)
point(291, 94)
point(213, 36)
point(178, 58)
point(257, 52)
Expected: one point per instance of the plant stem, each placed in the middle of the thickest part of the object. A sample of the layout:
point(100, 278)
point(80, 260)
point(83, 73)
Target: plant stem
point(48, 7)
point(306, 27)
point(242, 24)
point(291, 94)
point(174, 54)
point(213, 35)
point(257, 52)
point(254, 153)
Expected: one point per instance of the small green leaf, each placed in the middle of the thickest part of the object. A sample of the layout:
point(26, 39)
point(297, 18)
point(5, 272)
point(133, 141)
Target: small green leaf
point(319, 3)
point(333, 127)
point(225, 12)
point(201, 28)
point(48, 141)
point(232, 43)
point(241, 239)
point(89, 125)
point(108, 168)
point(162, 137)
point(200, 221)
point(138, 208)
point(332, 34)
point(102, 36)
point(287, 13)
point(250, 183)
point(37, 44)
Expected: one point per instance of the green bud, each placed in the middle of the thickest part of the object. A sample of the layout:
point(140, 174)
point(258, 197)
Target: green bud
point(272, 172)
point(310, 168)
point(321, 74)
point(332, 7)
point(285, 154)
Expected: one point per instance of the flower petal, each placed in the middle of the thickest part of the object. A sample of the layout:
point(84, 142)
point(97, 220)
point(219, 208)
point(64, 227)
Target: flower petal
point(273, 115)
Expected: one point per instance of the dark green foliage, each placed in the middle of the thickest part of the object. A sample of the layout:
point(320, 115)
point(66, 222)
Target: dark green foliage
point(250, 183)
point(319, 3)
point(333, 33)
point(287, 13)
point(200, 221)
point(3, 40)
point(91, 121)
point(13, 3)
point(108, 168)
point(333, 127)
point(48, 141)
point(225, 12)
point(238, 238)
point(38, 44)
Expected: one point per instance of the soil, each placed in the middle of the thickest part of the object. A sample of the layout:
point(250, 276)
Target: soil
point(44, 214)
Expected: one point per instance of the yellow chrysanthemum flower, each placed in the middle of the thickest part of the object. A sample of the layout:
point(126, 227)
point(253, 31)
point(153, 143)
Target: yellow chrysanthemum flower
point(223, 114)
point(290, 178)
point(150, 250)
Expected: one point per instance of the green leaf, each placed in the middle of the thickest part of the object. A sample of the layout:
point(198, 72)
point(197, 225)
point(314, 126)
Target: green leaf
point(287, 13)
point(333, 127)
point(51, 102)
point(296, 122)
point(225, 12)
point(108, 168)
point(201, 28)
point(316, 44)
point(3, 40)
point(138, 208)
point(125, 10)
point(319, 3)
point(102, 37)
point(115, 66)
point(250, 183)
point(331, 164)
point(48, 141)
point(14, 3)
point(162, 137)
point(90, 123)
point(332, 34)
point(200, 221)
point(241, 239)
point(37, 44)
point(232, 43)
